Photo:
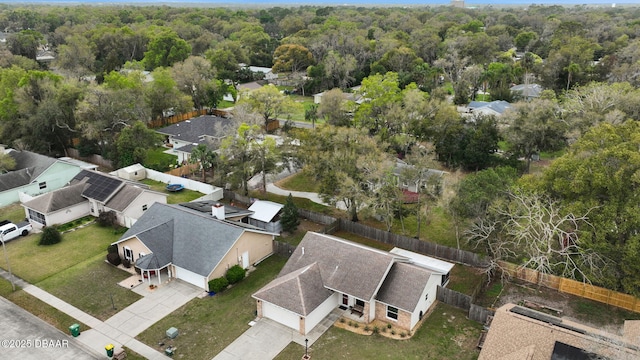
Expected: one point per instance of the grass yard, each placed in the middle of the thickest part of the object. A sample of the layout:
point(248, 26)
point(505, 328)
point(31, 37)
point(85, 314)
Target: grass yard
point(445, 334)
point(436, 227)
point(13, 213)
point(208, 325)
point(90, 286)
point(363, 240)
point(39, 308)
point(466, 279)
point(300, 181)
point(157, 159)
point(34, 263)
point(182, 196)
point(303, 102)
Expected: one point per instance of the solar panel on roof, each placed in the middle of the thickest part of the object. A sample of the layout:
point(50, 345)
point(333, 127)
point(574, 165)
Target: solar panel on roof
point(100, 186)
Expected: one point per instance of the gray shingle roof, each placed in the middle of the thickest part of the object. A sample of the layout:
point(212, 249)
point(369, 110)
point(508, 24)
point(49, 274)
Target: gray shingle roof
point(124, 197)
point(192, 130)
point(196, 242)
point(58, 199)
point(499, 106)
point(28, 167)
point(300, 291)
point(345, 266)
point(403, 286)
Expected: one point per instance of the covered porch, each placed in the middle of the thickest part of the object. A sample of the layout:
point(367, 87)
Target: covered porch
point(152, 270)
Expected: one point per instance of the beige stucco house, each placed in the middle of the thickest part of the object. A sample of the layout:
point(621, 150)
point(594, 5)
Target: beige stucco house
point(327, 272)
point(182, 243)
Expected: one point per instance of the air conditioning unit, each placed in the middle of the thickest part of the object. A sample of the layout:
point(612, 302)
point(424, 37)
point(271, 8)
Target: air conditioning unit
point(172, 333)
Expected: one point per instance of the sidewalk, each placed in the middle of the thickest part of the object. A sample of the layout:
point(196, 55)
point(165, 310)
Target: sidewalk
point(272, 188)
point(116, 330)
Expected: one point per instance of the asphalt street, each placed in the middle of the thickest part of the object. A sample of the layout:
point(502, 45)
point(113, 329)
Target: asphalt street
point(26, 337)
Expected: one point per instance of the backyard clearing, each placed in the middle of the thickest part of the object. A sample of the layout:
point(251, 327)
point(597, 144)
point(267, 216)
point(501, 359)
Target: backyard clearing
point(445, 334)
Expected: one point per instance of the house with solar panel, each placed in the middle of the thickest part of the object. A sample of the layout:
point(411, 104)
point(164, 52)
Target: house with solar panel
point(35, 174)
point(185, 243)
point(91, 193)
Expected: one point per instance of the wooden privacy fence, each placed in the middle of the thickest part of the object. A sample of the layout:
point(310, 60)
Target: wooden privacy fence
point(94, 159)
point(475, 312)
point(568, 286)
point(415, 245)
point(159, 122)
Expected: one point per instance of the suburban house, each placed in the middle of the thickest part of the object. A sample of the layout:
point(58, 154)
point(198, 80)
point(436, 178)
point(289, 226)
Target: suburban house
point(266, 215)
point(268, 73)
point(176, 242)
point(35, 174)
point(526, 91)
point(495, 108)
point(410, 185)
point(90, 193)
point(520, 333)
point(347, 96)
point(327, 272)
point(184, 136)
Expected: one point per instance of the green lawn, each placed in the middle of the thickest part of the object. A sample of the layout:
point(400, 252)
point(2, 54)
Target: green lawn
point(91, 285)
point(301, 181)
point(465, 279)
point(445, 334)
point(208, 325)
point(13, 213)
point(304, 103)
point(39, 308)
point(34, 263)
point(157, 159)
point(181, 196)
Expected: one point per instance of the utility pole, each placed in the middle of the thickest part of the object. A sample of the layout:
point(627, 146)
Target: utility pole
point(6, 257)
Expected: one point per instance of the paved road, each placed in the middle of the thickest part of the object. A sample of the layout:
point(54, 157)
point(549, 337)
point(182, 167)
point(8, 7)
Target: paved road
point(26, 337)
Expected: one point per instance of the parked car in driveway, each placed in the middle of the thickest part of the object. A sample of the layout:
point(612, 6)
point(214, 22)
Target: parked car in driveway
point(10, 231)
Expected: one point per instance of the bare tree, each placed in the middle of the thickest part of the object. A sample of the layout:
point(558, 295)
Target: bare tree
point(533, 229)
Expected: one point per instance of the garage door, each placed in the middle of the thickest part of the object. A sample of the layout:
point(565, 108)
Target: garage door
point(284, 317)
point(190, 277)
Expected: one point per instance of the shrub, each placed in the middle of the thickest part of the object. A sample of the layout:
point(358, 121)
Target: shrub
point(403, 334)
point(388, 326)
point(112, 249)
point(235, 274)
point(107, 218)
point(114, 259)
point(126, 263)
point(393, 332)
point(376, 329)
point(356, 325)
point(50, 235)
point(367, 328)
point(218, 284)
point(384, 330)
point(342, 320)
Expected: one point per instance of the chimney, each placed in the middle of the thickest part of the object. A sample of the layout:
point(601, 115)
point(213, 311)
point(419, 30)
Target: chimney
point(217, 211)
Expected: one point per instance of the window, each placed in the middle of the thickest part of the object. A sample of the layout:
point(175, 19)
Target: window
point(128, 253)
point(144, 207)
point(37, 217)
point(392, 312)
point(42, 185)
point(360, 302)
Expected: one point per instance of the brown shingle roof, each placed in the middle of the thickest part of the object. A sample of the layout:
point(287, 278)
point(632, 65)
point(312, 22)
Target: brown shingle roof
point(300, 291)
point(58, 199)
point(403, 286)
point(345, 266)
point(510, 333)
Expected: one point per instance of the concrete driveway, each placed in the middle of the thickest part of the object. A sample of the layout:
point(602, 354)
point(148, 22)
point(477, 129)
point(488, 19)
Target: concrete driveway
point(26, 337)
point(267, 338)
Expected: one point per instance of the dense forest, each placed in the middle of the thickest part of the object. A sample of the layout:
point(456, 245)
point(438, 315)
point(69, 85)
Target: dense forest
point(116, 68)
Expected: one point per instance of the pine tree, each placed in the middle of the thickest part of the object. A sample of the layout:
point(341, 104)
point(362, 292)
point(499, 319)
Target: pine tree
point(289, 218)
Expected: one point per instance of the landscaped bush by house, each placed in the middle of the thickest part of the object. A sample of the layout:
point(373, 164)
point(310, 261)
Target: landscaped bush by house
point(114, 259)
point(218, 284)
point(50, 235)
point(107, 218)
point(235, 274)
point(126, 263)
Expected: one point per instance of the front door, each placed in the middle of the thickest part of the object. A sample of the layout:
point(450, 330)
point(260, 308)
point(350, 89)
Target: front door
point(345, 299)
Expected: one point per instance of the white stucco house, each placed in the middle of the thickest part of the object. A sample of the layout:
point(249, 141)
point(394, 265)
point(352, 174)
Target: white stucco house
point(91, 193)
